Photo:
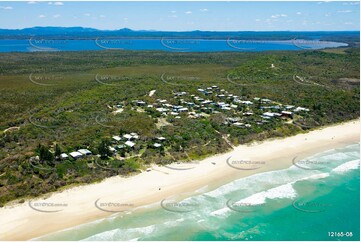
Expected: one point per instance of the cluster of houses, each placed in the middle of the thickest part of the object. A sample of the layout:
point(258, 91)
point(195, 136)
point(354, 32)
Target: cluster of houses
point(118, 143)
point(214, 100)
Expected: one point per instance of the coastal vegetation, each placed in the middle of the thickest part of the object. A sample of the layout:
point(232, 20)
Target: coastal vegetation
point(55, 103)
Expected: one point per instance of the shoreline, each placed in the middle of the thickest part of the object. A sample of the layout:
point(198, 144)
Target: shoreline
point(20, 222)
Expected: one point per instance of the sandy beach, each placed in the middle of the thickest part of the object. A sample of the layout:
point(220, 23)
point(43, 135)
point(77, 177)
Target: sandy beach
point(87, 203)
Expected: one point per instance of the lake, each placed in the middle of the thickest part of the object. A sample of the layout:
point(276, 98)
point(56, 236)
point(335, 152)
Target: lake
point(163, 44)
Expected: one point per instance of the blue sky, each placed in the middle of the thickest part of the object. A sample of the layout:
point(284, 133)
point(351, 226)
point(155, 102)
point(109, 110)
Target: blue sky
point(180, 16)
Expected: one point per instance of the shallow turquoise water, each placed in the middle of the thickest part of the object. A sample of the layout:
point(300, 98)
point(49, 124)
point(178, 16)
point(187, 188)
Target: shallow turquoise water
point(289, 204)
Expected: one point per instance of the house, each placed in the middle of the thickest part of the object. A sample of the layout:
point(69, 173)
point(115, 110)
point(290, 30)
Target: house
point(134, 136)
point(287, 114)
point(129, 144)
point(233, 120)
point(248, 113)
point(182, 110)
point(119, 147)
point(162, 110)
point(157, 145)
point(175, 108)
point(238, 124)
point(247, 102)
point(141, 103)
point(301, 109)
point(64, 156)
point(289, 106)
point(116, 138)
point(85, 151)
point(265, 100)
point(112, 149)
point(76, 154)
point(127, 136)
point(161, 138)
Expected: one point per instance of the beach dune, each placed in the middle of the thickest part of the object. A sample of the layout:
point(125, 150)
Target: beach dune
point(87, 203)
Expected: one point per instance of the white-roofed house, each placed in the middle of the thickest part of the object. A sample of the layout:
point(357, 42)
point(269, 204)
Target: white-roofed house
point(127, 136)
point(64, 156)
point(129, 144)
point(116, 138)
point(76, 154)
point(85, 151)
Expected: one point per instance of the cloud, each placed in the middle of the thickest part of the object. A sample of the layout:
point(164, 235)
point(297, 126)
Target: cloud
point(203, 9)
point(58, 3)
point(348, 23)
point(279, 16)
point(173, 11)
point(101, 16)
point(351, 3)
point(173, 16)
point(87, 14)
point(298, 13)
point(56, 15)
point(6, 7)
point(32, 2)
point(257, 20)
point(344, 11)
point(327, 14)
point(41, 16)
point(188, 12)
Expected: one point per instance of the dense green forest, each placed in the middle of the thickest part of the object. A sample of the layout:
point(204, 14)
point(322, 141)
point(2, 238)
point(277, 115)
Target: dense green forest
point(59, 102)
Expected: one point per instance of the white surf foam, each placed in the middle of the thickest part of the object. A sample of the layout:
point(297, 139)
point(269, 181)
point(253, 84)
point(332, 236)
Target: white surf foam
point(285, 191)
point(351, 165)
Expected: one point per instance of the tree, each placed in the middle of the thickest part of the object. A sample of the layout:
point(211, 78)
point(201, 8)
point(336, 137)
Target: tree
point(45, 154)
point(57, 151)
point(103, 149)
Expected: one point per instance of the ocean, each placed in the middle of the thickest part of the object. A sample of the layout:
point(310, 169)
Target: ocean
point(172, 45)
point(317, 200)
